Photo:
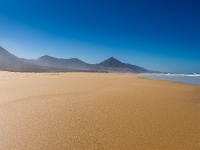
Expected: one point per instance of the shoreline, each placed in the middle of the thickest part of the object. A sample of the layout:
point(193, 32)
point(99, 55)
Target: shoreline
point(142, 76)
point(169, 79)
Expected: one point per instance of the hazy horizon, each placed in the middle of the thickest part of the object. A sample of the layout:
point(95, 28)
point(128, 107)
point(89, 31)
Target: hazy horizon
point(157, 35)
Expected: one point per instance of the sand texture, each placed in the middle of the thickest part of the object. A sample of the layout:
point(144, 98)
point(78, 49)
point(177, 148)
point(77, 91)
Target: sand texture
point(96, 111)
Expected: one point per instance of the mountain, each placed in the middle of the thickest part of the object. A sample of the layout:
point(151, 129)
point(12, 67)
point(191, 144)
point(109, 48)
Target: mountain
point(109, 65)
point(114, 65)
point(9, 62)
point(72, 63)
point(46, 63)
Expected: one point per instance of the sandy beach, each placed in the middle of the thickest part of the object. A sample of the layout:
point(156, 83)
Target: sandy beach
point(96, 111)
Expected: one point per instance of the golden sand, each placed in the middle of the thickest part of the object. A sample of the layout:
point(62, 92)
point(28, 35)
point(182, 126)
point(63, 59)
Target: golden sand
point(94, 111)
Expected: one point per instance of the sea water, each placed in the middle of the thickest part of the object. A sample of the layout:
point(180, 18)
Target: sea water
point(183, 78)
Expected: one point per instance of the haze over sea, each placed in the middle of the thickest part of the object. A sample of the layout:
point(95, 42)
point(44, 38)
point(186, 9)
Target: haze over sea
point(183, 78)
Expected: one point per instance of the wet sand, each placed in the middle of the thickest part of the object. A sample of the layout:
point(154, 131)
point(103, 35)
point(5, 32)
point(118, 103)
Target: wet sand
point(96, 111)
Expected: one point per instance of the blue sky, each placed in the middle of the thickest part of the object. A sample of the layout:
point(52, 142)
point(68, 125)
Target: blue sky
point(160, 35)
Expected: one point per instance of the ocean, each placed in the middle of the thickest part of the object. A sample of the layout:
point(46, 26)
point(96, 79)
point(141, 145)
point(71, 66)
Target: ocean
point(182, 78)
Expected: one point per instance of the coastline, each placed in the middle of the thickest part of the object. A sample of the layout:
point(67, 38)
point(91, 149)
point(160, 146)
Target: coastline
point(97, 111)
point(182, 79)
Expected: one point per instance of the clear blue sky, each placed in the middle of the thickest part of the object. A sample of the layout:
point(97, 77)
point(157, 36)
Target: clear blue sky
point(161, 35)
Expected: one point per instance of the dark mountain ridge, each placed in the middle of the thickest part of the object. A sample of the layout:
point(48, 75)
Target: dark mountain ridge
point(115, 65)
point(46, 63)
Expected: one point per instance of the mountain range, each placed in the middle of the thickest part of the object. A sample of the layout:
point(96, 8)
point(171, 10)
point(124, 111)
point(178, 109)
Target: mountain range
point(9, 62)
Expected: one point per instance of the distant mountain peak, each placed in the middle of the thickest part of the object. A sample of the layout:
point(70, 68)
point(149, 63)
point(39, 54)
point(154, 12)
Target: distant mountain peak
point(113, 59)
point(111, 62)
point(45, 57)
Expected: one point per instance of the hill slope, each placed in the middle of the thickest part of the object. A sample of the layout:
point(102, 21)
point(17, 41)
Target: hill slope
point(9, 62)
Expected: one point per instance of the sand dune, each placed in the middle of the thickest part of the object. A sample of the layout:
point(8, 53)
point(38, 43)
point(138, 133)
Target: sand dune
point(96, 111)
